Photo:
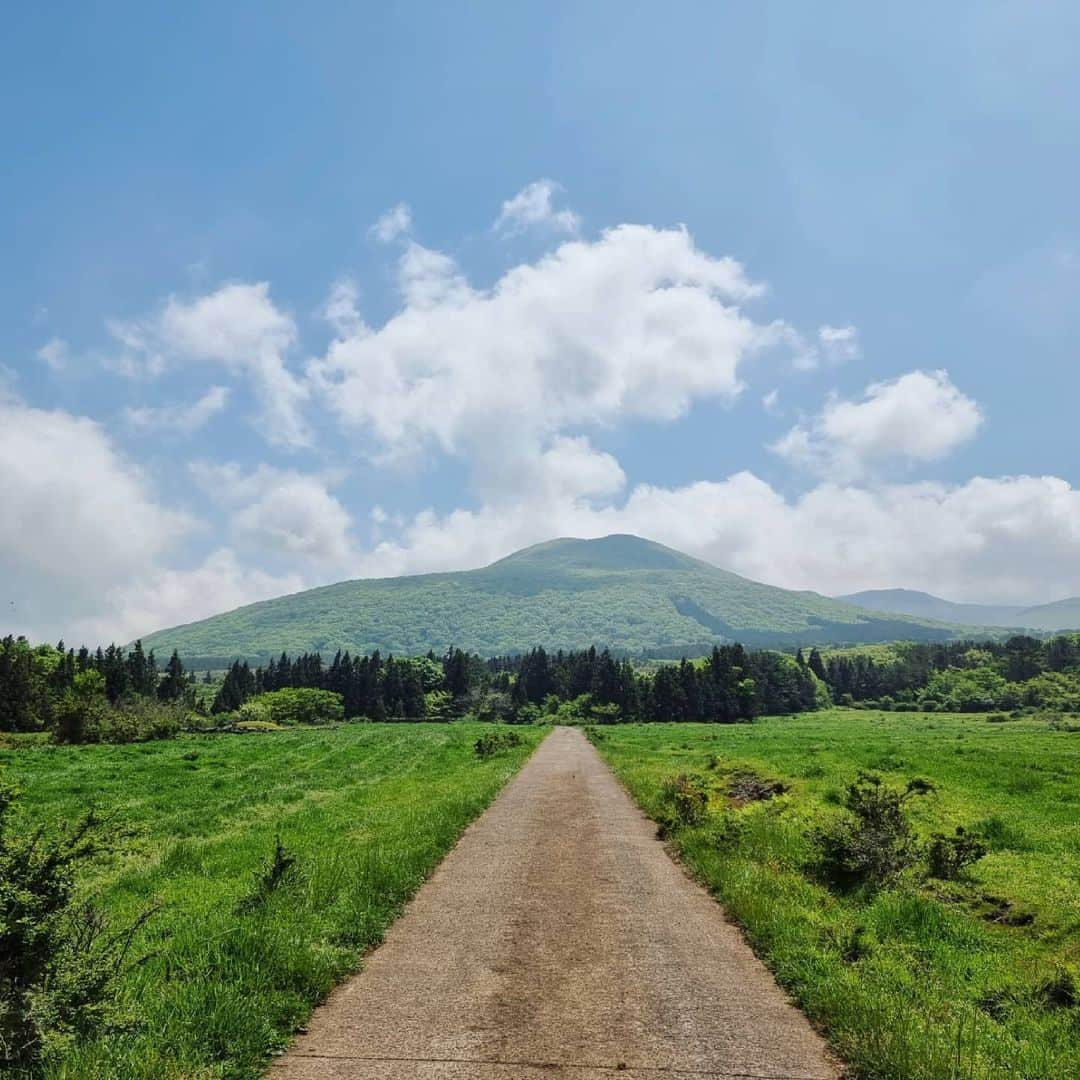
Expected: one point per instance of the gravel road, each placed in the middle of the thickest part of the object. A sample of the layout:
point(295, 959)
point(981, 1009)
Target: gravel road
point(558, 939)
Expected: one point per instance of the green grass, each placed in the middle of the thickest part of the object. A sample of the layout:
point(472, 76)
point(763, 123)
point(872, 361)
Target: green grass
point(368, 811)
point(918, 981)
point(621, 592)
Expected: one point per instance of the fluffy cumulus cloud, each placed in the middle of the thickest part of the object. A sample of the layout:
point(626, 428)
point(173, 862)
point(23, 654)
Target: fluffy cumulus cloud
point(636, 324)
point(77, 517)
point(281, 511)
point(532, 208)
point(917, 418)
point(88, 548)
point(237, 326)
point(1003, 539)
point(518, 381)
point(221, 582)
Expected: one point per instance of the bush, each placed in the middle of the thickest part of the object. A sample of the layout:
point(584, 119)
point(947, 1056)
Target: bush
point(294, 705)
point(249, 726)
point(948, 856)
point(687, 798)
point(492, 742)
point(61, 964)
point(875, 843)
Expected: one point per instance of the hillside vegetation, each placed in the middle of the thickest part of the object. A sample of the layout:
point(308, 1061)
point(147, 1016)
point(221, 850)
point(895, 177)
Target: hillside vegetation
point(619, 592)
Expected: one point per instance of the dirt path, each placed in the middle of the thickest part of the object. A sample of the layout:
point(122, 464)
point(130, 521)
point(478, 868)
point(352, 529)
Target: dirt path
point(558, 939)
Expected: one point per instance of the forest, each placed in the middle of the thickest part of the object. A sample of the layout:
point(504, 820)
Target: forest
point(121, 695)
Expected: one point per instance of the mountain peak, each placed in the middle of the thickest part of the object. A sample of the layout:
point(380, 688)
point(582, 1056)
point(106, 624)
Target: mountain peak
point(618, 551)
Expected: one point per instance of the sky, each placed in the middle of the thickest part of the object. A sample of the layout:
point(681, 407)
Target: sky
point(292, 294)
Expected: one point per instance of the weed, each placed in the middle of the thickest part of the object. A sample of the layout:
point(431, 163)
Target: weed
point(687, 798)
point(947, 857)
point(277, 871)
point(1059, 991)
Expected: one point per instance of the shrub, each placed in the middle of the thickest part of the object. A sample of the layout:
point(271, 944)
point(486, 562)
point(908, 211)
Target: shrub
point(491, 742)
point(295, 705)
point(948, 856)
point(61, 963)
point(249, 726)
point(687, 798)
point(874, 843)
point(277, 872)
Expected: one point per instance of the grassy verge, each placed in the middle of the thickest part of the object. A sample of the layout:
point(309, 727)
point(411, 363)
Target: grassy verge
point(926, 979)
point(367, 811)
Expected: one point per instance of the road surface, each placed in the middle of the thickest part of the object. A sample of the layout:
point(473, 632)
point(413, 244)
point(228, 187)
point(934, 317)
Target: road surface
point(559, 940)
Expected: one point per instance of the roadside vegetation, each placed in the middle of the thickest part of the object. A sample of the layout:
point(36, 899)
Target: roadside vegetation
point(221, 887)
point(912, 880)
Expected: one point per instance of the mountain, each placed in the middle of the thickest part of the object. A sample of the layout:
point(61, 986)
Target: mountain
point(621, 592)
point(1059, 615)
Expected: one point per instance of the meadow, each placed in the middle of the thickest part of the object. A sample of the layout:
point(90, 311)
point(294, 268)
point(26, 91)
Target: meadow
point(922, 979)
point(366, 811)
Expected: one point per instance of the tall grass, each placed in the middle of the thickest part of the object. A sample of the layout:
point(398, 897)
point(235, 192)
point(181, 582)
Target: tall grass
point(924, 980)
point(235, 965)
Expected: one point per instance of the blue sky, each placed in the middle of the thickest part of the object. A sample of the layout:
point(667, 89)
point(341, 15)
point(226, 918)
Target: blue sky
point(184, 191)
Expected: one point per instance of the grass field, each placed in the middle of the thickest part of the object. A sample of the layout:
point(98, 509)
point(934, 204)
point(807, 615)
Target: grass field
point(367, 810)
point(970, 979)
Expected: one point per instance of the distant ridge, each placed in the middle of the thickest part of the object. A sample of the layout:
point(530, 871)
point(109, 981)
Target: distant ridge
point(621, 592)
point(1046, 618)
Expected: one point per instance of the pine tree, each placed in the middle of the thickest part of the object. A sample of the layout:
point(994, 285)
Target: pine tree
point(174, 682)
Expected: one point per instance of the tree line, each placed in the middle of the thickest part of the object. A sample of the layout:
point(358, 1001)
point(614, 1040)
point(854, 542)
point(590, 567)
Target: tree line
point(730, 684)
point(41, 685)
point(115, 693)
point(964, 676)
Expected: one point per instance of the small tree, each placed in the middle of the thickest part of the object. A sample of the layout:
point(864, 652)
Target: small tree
point(875, 843)
point(59, 964)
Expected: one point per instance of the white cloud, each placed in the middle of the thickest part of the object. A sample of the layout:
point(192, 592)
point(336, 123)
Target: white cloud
point(182, 418)
point(281, 511)
point(77, 518)
point(831, 346)
point(1008, 539)
point(531, 207)
point(175, 596)
point(55, 353)
point(395, 223)
point(770, 402)
point(237, 326)
point(637, 324)
point(917, 418)
point(838, 344)
point(341, 310)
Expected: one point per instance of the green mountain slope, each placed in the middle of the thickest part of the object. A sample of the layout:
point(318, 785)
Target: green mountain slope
point(620, 591)
point(1059, 615)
